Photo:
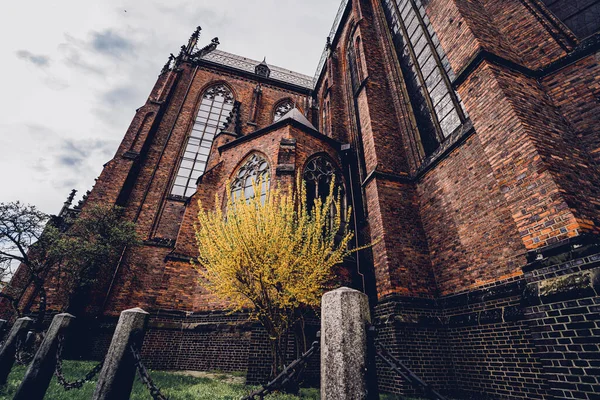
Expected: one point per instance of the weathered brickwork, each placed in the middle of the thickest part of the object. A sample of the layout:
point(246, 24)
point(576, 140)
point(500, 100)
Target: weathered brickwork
point(483, 274)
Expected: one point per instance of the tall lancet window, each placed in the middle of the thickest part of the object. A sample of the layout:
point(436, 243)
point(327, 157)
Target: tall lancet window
point(581, 16)
point(281, 109)
point(254, 170)
point(427, 73)
point(215, 107)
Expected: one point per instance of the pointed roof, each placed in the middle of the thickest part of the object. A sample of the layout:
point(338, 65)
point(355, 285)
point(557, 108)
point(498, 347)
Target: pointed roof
point(297, 116)
point(293, 117)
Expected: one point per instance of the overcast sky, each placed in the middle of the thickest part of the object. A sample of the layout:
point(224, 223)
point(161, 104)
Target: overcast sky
point(74, 71)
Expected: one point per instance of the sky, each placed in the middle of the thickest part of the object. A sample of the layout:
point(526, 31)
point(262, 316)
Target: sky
point(74, 72)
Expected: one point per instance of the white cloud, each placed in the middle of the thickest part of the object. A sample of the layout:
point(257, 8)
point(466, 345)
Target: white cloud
point(78, 70)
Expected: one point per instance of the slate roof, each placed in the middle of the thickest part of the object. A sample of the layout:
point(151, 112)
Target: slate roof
point(248, 65)
point(296, 115)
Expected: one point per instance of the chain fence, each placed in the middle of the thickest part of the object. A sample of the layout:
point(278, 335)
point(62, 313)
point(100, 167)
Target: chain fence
point(145, 376)
point(22, 355)
point(399, 368)
point(59, 372)
point(288, 374)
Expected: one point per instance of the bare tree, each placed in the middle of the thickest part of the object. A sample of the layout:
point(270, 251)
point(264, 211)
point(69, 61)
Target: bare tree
point(27, 239)
point(46, 246)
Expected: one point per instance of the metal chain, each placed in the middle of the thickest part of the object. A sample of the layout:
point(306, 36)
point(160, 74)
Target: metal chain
point(22, 357)
point(288, 373)
point(59, 372)
point(145, 376)
point(398, 367)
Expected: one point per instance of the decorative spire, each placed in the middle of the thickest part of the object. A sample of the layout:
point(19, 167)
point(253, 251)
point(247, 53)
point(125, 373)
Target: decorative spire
point(263, 69)
point(193, 41)
point(67, 203)
point(181, 56)
point(70, 198)
point(188, 51)
point(168, 64)
point(233, 123)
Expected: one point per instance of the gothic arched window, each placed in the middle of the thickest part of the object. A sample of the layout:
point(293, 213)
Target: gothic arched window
point(215, 107)
point(318, 174)
point(281, 109)
point(326, 118)
point(352, 66)
point(358, 59)
point(254, 169)
point(426, 70)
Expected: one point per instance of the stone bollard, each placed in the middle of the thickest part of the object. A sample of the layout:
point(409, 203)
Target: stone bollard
point(344, 318)
point(7, 354)
point(117, 374)
point(40, 371)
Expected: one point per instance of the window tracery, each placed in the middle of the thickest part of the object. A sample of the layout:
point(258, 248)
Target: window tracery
point(215, 106)
point(318, 174)
point(281, 109)
point(255, 169)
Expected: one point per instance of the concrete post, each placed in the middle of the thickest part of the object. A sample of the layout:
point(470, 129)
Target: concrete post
point(40, 371)
point(344, 316)
point(117, 374)
point(8, 351)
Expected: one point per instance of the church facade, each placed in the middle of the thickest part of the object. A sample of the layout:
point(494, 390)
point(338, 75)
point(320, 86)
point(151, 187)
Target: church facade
point(466, 137)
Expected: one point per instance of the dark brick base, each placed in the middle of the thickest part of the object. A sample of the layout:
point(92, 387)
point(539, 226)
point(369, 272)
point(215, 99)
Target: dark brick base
point(200, 342)
point(536, 336)
point(532, 337)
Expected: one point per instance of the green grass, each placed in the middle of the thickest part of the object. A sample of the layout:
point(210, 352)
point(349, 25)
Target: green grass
point(176, 387)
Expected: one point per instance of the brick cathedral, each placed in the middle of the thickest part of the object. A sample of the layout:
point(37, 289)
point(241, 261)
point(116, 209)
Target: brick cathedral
point(465, 134)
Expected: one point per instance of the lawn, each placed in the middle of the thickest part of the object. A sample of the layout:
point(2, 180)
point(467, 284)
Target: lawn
point(175, 386)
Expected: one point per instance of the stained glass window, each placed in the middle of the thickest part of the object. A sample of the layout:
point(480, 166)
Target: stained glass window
point(215, 107)
point(254, 169)
point(281, 109)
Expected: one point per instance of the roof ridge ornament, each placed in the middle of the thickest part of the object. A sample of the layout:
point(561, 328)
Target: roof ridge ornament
point(263, 69)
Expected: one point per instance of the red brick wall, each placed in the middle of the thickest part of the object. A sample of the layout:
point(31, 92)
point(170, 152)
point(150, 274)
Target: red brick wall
point(470, 230)
point(181, 287)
